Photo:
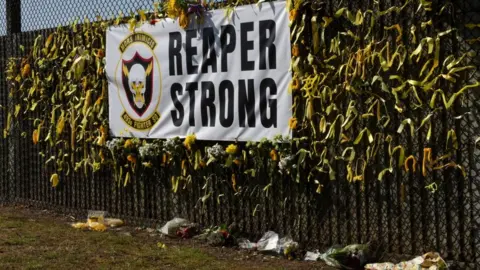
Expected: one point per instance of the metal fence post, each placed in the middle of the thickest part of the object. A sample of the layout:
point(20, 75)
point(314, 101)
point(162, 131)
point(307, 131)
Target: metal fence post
point(14, 26)
point(14, 17)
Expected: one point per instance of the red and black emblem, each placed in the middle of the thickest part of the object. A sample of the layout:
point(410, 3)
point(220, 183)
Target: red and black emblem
point(137, 79)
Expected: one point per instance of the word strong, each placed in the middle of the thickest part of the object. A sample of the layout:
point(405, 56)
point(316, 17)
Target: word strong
point(227, 94)
point(224, 80)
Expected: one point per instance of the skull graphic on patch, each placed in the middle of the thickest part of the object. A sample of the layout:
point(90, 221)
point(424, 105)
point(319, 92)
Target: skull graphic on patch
point(137, 79)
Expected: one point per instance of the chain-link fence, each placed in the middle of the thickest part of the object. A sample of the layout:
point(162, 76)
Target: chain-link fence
point(397, 212)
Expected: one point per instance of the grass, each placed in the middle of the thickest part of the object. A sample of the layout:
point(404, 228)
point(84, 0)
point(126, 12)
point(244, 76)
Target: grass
point(40, 244)
point(31, 239)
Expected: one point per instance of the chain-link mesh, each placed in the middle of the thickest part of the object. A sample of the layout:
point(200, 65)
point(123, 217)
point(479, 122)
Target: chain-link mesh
point(398, 212)
point(47, 14)
point(3, 19)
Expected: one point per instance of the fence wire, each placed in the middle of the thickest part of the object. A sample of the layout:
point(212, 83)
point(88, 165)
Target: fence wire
point(398, 212)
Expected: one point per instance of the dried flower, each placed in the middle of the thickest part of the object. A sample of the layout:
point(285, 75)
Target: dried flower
point(132, 158)
point(100, 53)
point(295, 50)
point(292, 123)
point(103, 136)
point(295, 84)
point(54, 180)
point(189, 141)
point(273, 155)
point(60, 124)
point(26, 70)
point(231, 149)
point(292, 14)
point(35, 136)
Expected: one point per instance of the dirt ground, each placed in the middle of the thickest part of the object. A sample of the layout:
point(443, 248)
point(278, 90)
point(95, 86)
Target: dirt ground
point(39, 239)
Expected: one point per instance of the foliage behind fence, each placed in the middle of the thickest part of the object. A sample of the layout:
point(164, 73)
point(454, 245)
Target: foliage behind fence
point(398, 211)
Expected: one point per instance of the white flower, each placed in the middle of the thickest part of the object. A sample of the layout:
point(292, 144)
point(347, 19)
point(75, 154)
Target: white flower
point(284, 163)
point(149, 150)
point(114, 143)
point(171, 145)
point(216, 151)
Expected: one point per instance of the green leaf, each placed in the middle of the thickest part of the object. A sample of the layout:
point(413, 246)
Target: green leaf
point(17, 109)
point(460, 92)
point(352, 154)
point(360, 136)
point(339, 12)
point(451, 135)
point(425, 120)
point(401, 157)
point(409, 122)
point(383, 172)
point(417, 51)
point(430, 43)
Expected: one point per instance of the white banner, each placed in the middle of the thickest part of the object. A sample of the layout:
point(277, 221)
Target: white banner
point(224, 80)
